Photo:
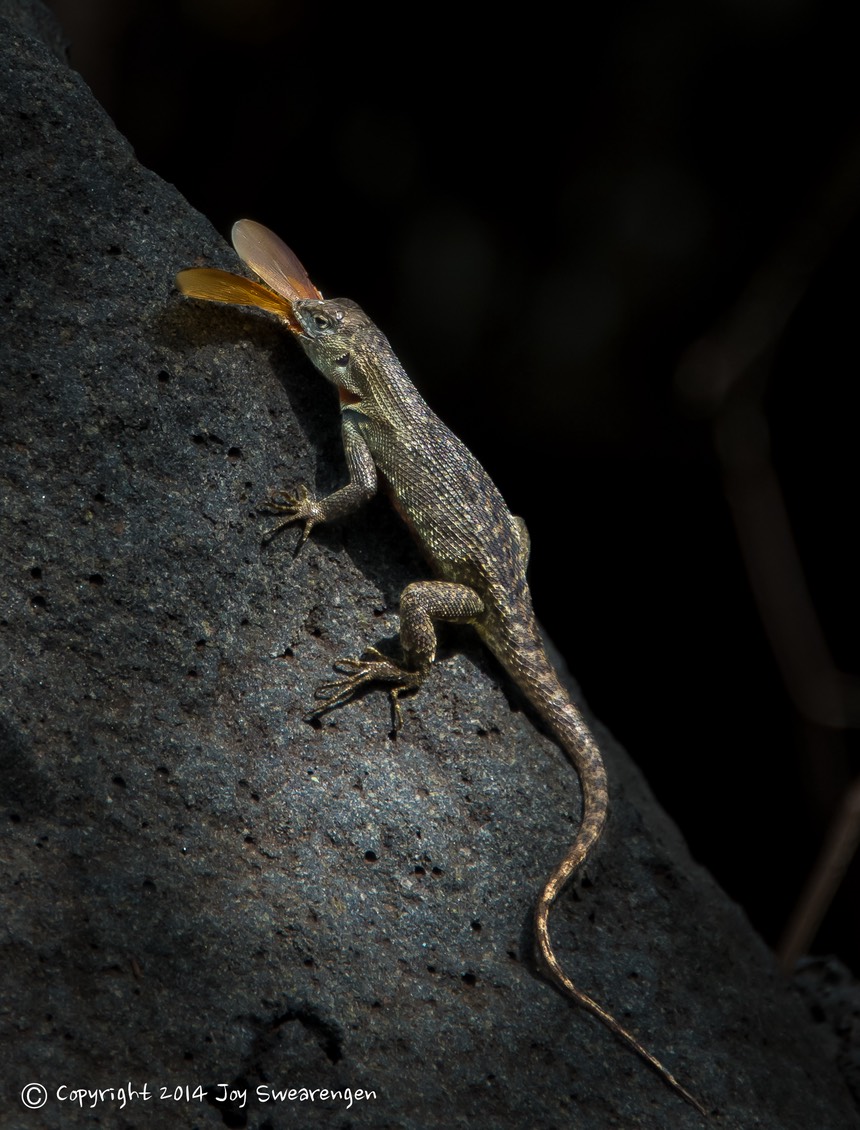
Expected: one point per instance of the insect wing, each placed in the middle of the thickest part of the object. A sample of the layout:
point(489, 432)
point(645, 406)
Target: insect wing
point(213, 285)
point(271, 259)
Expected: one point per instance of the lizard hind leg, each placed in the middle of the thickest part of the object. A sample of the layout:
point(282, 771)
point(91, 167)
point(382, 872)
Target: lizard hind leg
point(421, 604)
point(372, 667)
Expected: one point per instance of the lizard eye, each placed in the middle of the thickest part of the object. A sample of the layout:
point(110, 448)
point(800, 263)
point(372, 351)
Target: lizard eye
point(322, 321)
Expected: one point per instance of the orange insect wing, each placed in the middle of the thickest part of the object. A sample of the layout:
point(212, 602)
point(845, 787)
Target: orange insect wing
point(271, 259)
point(213, 285)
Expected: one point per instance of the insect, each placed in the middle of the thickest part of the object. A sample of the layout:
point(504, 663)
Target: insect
point(477, 550)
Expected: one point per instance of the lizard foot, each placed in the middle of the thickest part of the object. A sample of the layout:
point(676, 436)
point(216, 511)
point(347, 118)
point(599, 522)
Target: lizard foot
point(373, 667)
point(299, 507)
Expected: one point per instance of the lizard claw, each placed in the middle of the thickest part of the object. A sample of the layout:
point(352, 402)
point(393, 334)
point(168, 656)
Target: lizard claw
point(299, 507)
point(373, 667)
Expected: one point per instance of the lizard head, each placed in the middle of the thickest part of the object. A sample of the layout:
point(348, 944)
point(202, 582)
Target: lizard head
point(336, 334)
point(333, 334)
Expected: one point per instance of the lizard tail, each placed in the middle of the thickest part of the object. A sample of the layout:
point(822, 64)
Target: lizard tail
point(573, 731)
point(532, 672)
point(561, 979)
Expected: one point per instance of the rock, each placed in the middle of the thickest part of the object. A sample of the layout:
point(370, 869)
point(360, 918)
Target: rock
point(201, 886)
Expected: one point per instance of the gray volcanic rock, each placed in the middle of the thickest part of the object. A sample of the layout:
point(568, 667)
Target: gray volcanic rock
point(200, 886)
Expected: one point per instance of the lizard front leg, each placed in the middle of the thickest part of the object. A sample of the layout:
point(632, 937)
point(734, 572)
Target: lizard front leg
point(304, 506)
point(421, 604)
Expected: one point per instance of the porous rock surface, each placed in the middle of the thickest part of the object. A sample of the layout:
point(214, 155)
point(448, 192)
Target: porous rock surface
point(199, 886)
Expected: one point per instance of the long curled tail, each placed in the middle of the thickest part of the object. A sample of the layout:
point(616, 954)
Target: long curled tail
point(528, 664)
point(557, 975)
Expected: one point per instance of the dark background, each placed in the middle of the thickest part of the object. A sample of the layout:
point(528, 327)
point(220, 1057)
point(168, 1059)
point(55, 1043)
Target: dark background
point(544, 218)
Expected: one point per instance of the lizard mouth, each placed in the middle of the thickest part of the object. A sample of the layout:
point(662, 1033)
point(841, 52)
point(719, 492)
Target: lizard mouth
point(347, 398)
point(284, 284)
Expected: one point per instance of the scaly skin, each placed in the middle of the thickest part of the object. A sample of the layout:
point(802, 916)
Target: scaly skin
point(477, 550)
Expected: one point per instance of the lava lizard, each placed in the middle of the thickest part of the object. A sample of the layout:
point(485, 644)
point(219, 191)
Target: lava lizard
point(476, 548)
